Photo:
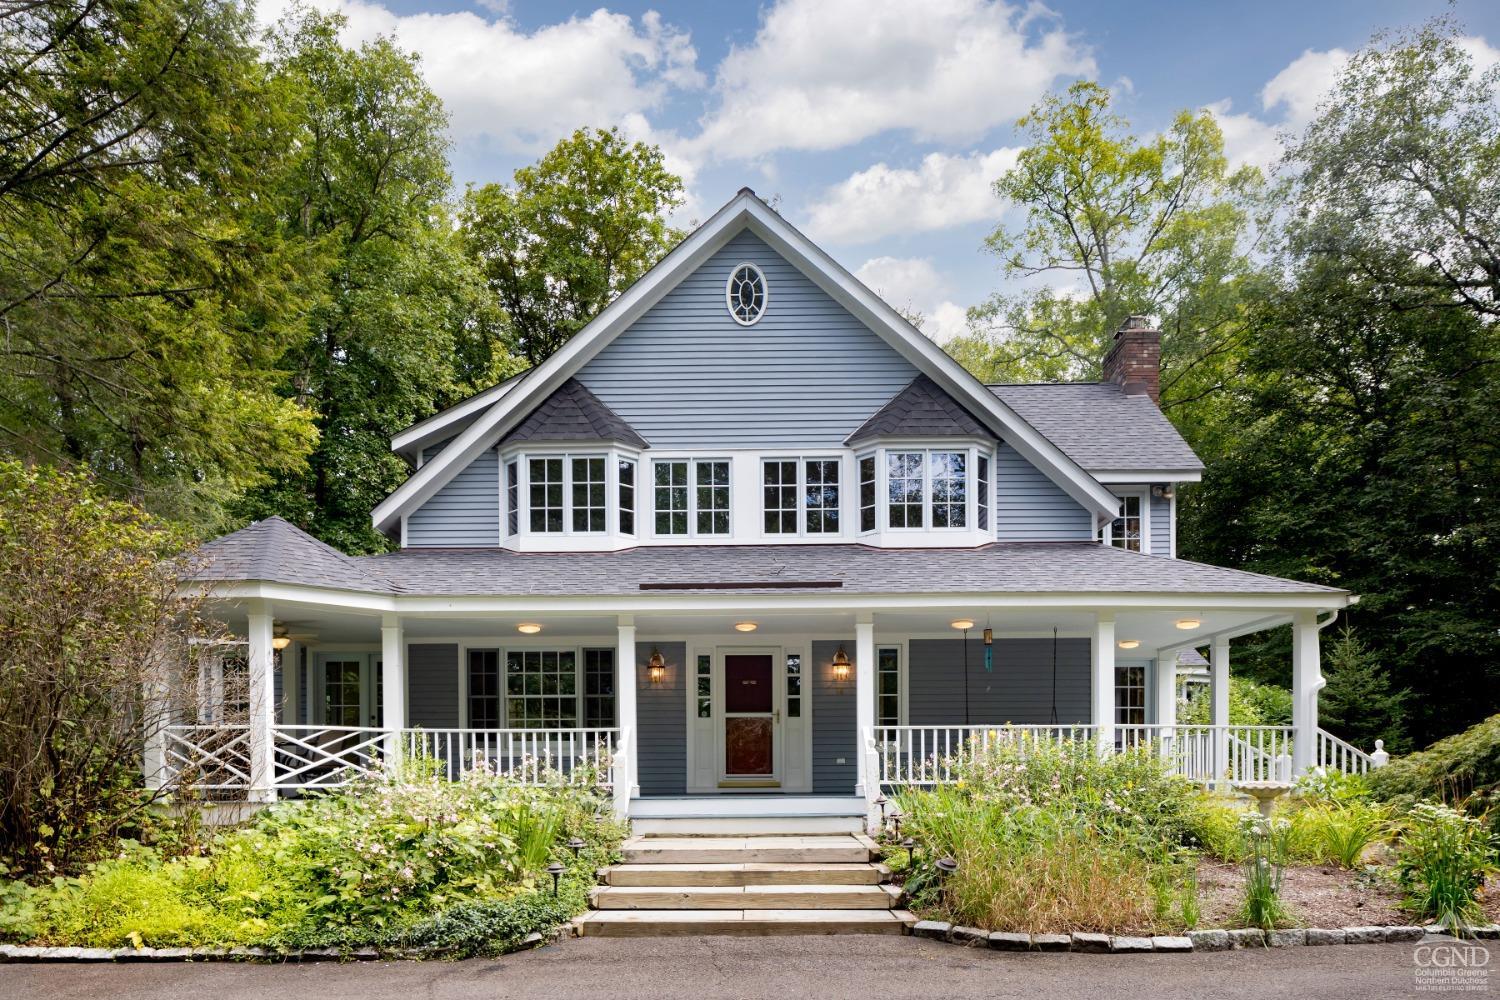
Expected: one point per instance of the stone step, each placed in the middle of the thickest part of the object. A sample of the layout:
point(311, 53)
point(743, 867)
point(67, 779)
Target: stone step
point(753, 873)
point(832, 849)
point(746, 923)
point(769, 825)
point(751, 897)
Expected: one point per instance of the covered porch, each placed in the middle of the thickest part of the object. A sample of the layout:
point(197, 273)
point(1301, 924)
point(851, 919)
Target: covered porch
point(706, 696)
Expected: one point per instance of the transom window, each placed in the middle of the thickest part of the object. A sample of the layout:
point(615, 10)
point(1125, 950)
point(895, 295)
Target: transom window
point(1125, 531)
point(701, 508)
point(541, 688)
point(800, 496)
point(746, 294)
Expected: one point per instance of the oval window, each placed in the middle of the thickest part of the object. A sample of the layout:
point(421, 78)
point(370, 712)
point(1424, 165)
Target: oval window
point(746, 294)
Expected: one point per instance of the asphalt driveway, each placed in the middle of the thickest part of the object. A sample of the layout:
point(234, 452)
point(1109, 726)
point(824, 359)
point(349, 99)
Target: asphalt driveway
point(859, 968)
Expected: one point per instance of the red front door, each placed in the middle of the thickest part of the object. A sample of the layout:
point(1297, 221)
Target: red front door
point(748, 715)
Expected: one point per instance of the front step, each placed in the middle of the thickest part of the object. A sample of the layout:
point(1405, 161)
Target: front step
point(817, 850)
point(750, 897)
point(760, 826)
point(757, 923)
point(848, 873)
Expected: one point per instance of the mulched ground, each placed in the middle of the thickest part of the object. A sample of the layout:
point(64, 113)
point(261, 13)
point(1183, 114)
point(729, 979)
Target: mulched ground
point(1319, 896)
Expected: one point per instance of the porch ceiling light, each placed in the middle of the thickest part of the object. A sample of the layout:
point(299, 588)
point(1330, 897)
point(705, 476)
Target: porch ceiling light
point(962, 624)
point(528, 628)
point(745, 626)
point(1188, 624)
point(1129, 643)
point(281, 641)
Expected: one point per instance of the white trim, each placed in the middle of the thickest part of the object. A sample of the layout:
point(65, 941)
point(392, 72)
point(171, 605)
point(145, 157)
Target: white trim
point(1109, 476)
point(745, 211)
point(423, 432)
point(1172, 522)
point(765, 293)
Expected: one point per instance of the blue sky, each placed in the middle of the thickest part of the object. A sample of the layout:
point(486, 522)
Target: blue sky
point(877, 125)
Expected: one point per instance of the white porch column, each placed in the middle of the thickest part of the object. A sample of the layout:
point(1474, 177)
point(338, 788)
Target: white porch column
point(1103, 681)
point(392, 687)
point(626, 785)
point(864, 706)
point(262, 669)
point(1307, 681)
point(1166, 695)
point(1218, 705)
point(156, 703)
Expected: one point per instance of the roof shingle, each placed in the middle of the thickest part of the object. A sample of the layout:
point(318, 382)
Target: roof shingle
point(572, 413)
point(1100, 427)
point(922, 409)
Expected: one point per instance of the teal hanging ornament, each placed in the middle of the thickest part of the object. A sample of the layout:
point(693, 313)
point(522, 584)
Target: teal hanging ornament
point(989, 650)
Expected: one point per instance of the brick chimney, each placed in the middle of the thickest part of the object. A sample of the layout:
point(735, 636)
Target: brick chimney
point(1134, 360)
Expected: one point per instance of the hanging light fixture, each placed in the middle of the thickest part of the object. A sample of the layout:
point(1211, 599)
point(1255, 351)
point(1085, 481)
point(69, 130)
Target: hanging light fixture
point(280, 641)
point(841, 665)
point(656, 667)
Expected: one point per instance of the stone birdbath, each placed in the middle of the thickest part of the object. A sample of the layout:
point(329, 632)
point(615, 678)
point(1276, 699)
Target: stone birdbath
point(1265, 793)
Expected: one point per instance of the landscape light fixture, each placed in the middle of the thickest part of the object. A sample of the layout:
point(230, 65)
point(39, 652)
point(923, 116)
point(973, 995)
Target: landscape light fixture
point(946, 866)
point(555, 870)
point(911, 851)
point(575, 845)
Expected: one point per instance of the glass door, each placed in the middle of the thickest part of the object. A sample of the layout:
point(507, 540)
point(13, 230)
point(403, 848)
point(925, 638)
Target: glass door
point(750, 717)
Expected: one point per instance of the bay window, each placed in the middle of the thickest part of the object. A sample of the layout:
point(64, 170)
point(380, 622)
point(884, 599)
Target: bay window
point(546, 478)
point(927, 488)
point(907, 488)
point(867, 496)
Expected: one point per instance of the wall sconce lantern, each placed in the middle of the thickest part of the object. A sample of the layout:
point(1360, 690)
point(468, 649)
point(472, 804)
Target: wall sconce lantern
point(656, 667)
point(841, 665)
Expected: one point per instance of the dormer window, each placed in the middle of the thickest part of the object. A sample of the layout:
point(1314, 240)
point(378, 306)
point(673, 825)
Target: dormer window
point(746, 294)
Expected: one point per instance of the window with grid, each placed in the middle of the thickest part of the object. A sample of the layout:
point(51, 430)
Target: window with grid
point(1130, 696)
point(626, 478)
point(794, 686)
point(546, 475)
point(598, 687)
point(907, 488)
point(541, 688)
point(867, 493)
point(588, 494)
point(1124, 532)
point(779, 490)
point(512, 498)
point(950, 489)
point(888, 686)
point(341, 693)
point(484, 688)
point(822, 496)
point(705, 688)
point(982, 484)
point(713, 497)
point(671, 488)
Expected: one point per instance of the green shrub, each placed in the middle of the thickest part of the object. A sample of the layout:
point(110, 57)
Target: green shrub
point(1328, 786)
point(1340, 834)
point(1267, 849)
point(1463, 769)
point(1442, 859)
point(1214, 823)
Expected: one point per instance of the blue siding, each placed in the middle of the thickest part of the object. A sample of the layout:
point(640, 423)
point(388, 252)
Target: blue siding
point(465, 512)
point(661, 721)
point(1161, 526)
point(1031, 507)
point(1018, 690)
point(833, 722)
point(685, 375)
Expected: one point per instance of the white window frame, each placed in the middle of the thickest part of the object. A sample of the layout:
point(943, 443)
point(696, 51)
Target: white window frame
point(765, 293)
point(927, 451)
point(799, 487)
point(859, 500)
point(1106, 530)
point(692, 496)
point(522, 459)
point(901, 685)
point(1143, 687)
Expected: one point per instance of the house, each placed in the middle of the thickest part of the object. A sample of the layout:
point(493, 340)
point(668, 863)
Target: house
point(750, 533)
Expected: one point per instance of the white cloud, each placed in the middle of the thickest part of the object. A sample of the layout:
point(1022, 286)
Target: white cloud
point(1304, 82)
point(913, 285)
point(943, 191)
point(525, 90)
point(1248, 141)
point(823, 74)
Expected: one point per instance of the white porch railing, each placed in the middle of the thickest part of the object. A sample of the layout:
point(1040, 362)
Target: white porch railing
point(923, 755)
point(218, 757)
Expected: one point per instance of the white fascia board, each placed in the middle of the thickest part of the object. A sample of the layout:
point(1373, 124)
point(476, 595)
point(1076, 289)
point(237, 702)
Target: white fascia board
point(544, 379)
point(1148, 475)
point(917, 348)
point(425, 432)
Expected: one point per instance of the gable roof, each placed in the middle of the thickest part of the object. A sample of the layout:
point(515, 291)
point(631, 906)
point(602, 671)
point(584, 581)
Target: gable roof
point(919, 410)
point(443, 425)
point(572, 413)
point(1101, 427)
point(744, 211)
point(277, 551)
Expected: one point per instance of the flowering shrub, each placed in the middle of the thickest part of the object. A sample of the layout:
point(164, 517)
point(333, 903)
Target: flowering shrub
point(365, 866)
point(1267, 850)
